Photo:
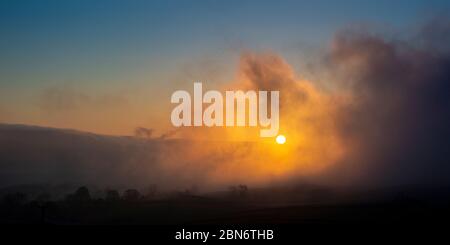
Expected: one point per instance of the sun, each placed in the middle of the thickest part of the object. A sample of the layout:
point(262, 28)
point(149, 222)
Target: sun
point(281, 139)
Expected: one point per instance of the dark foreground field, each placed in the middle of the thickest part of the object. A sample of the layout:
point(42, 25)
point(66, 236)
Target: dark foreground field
point(225, 209)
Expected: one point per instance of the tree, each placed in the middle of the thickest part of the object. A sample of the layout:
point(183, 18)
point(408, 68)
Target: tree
point(242, 190)
point(15, 199)
point(112, 195)
point(131, 195)
point(81, 195)
point(42, 201)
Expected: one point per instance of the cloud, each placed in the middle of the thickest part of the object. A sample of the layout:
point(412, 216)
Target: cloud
point(397, 125)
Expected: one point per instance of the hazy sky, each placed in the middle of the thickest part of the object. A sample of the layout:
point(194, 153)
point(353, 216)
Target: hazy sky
point(110, 66)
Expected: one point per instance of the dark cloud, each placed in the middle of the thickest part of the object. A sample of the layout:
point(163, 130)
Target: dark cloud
point(398, 126)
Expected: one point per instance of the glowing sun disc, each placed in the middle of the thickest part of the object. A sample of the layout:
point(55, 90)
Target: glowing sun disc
point(281, 139)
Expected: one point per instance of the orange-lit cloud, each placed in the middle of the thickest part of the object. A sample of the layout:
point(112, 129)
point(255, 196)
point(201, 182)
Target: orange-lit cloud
point(308, 120)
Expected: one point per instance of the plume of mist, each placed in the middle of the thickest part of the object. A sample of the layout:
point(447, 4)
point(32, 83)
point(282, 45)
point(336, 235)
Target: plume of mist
point(396, 127)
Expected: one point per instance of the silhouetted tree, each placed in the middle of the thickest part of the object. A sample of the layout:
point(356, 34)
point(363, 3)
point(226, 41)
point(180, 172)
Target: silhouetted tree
point(14, 199)
point(81, 195)
point(131, 195)
point(42, 201)
point(242, 190)
point(112, 195)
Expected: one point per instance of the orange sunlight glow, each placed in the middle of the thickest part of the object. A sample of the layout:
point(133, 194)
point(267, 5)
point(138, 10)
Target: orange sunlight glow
point(307, 114)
